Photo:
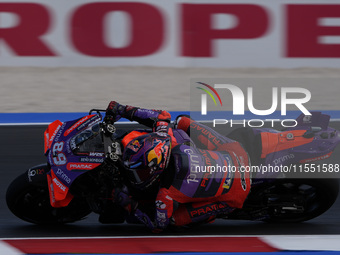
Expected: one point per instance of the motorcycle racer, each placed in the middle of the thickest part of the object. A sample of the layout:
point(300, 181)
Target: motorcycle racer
point(169, 178)
point(182, 162)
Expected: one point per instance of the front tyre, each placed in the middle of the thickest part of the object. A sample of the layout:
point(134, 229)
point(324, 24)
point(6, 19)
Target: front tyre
point(27, 198)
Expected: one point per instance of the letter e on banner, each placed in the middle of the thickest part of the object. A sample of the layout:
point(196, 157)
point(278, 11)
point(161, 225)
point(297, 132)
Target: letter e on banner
point(305, 31)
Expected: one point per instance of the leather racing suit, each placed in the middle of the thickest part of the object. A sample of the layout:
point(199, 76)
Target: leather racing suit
point(205, 178)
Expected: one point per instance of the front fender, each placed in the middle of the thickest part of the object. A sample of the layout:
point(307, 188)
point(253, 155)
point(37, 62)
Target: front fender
point(37, 175)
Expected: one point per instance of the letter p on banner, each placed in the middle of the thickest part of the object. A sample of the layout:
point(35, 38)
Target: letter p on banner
point(198, 32)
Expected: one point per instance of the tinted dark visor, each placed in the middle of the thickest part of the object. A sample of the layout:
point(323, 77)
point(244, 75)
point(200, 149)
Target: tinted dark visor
point(138, 175)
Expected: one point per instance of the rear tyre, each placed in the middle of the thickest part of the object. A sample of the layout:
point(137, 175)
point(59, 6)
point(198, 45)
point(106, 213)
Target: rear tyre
point(296, 200)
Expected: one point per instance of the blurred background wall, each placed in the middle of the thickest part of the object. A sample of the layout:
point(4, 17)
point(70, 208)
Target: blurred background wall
point(64, 56)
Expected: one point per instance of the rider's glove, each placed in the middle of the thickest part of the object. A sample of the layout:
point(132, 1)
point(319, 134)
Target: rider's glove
point(122, 197)
point(114, 111)
point(145, 219)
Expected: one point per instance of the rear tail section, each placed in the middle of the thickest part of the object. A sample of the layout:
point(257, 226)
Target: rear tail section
point(317, 119)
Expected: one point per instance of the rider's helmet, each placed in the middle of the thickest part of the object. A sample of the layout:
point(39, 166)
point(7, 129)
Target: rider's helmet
point(145, 157)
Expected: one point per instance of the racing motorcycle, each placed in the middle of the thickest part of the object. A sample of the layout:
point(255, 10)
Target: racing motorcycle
point(84, 166)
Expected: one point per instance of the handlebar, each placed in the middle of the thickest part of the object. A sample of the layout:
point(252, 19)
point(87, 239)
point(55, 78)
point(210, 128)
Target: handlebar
point(97, 110)
point(112, 148)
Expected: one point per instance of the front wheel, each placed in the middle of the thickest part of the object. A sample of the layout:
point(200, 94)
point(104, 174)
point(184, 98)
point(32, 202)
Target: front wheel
point(28, 198)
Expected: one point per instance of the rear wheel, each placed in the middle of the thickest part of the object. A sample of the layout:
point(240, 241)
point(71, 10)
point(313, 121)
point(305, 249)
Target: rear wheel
point(295, 200)
point(28, 198)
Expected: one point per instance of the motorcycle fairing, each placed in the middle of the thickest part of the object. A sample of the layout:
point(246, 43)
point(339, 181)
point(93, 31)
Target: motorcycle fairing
point(274, 142)
point(310, 140)
point(50, 133)
point(59, 193)
point(72, 148)
point(322, 157)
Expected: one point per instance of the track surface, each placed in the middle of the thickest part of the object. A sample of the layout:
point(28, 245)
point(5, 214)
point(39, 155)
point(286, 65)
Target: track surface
point(22, 148)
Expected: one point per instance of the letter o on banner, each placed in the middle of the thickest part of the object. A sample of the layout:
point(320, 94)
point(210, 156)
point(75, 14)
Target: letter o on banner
point(88, 29)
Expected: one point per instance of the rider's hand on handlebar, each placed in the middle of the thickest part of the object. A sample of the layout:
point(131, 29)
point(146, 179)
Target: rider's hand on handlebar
point(113, 111)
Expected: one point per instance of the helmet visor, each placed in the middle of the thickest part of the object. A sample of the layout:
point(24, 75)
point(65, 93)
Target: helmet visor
point(138, 175)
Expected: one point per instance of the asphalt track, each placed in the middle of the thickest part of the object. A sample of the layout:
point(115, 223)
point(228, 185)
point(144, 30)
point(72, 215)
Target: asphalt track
point(22, 147)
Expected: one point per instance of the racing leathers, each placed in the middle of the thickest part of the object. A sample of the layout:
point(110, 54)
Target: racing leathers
point(206, 175)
